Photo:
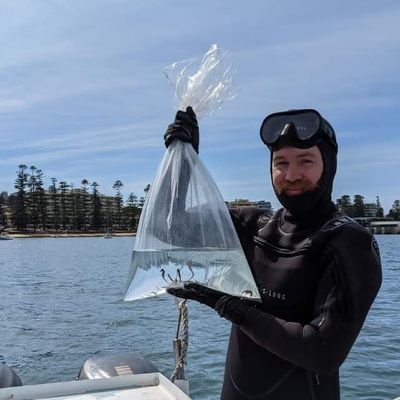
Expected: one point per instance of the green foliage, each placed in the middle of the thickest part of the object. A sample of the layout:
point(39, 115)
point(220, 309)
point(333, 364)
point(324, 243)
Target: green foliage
point(64, 207)
point(395, 210)
point(20, 201)
point(3, 219)
point(358, 206)
point(97, 216)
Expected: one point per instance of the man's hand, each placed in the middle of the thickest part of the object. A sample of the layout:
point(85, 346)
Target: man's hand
point(232, 308)
point(184, 128)
point(197, 292)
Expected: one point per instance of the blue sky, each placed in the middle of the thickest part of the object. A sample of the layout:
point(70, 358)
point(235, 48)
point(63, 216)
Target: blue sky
point(82, 93)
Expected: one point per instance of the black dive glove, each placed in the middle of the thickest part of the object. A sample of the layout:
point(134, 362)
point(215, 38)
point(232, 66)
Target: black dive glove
point(233, 308)
point(229, 307)
point(184, 128)
point(196, 291)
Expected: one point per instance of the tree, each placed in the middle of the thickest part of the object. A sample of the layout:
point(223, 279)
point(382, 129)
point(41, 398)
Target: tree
point(394, 212)
point(359, 207)
point(54, 203)
point(41, 199)
point(63, 188)
point(84, 205)
point(379, 212)
point(132, 212)
point(33, 203)
point(97, 219)
point(3, 219)
point(117, 186)
point(345, 205)
point(20, 217)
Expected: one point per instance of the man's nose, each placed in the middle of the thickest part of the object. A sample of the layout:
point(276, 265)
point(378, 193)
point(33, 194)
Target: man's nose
point(292, 173)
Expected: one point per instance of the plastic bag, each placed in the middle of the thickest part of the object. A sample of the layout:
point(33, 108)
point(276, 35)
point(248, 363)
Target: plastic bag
point(185, 231)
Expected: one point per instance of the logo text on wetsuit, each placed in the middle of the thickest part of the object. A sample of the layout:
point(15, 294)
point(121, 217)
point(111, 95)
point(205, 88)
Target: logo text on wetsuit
point(272, 293)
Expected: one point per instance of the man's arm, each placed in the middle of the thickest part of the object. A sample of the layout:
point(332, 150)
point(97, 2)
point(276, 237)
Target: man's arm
point(346, 291)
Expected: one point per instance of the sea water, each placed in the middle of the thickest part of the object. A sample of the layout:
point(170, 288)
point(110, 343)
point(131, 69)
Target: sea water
point(61, 301)
point(152, 271)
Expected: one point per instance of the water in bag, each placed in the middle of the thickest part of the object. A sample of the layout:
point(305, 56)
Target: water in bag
point(186, 233)
point(216, 269)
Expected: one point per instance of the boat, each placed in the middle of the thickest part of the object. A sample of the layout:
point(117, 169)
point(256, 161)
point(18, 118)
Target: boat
point(108, 235)
point(5, 236)
point(100, 378)
point(113, 377)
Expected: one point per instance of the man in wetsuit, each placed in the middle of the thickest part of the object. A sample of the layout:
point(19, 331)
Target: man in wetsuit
point(318, 271)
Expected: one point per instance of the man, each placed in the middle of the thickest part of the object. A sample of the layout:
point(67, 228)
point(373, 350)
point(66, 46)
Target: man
point(317, 270)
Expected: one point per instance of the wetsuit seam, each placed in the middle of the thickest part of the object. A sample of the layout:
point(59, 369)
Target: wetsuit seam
point(262, 242)
point(311, 386)
point(325, 307)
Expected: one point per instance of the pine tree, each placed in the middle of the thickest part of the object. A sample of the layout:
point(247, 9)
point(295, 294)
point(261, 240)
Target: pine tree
point(19, 207)
point(84, 205)
point(33, 202)
point(345, 205)
point(379, 212)
point(395, 210)
point(3, 219)
point(54, 203)
point(117, 186)
point(97, 219)
point(132, 212)
point(41, 199)
point(63, 187)
point(359, 207)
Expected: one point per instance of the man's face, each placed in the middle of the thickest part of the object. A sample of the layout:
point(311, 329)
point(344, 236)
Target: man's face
point(295, 171)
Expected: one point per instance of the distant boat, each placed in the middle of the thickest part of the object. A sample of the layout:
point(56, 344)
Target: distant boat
point(5, 236)
point(108, 235)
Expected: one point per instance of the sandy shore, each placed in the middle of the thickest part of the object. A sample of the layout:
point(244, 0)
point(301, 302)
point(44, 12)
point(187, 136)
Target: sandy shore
point(20, 235)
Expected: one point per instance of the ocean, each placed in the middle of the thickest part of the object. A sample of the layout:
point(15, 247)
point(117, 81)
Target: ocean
point(61, 301)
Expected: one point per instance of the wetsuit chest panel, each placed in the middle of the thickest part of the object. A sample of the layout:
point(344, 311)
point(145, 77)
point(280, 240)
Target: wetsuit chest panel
point(285, 269)
point(287, 284)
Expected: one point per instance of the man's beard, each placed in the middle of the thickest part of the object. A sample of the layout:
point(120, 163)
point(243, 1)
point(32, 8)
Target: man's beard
point(304, 185)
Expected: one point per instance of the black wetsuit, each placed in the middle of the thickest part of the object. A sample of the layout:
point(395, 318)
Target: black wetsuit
point(317, 280)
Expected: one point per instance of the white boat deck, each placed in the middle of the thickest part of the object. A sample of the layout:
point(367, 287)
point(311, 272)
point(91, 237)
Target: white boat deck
point(152, 386)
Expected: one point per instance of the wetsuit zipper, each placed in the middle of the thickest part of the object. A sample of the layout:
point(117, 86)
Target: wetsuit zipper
point(311, 385)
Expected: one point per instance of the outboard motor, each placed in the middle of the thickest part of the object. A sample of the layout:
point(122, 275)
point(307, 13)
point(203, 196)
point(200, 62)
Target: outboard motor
point(8, 377)
point(115, 365)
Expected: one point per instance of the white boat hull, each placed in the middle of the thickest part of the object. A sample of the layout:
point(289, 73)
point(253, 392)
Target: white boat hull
point(151, 386)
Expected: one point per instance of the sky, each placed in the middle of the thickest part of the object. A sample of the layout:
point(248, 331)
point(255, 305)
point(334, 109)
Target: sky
point(83, 94)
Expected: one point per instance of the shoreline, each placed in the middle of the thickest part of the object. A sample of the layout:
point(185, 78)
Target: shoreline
point(38, 235)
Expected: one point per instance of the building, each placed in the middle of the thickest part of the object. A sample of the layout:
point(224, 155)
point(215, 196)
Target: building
point(379, 225)
point(71, 209)
point(262, 204)
point(384, 227)
point(370, 209)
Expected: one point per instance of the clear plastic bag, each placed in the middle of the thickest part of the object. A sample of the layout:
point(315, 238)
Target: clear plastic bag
point(185, 231)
